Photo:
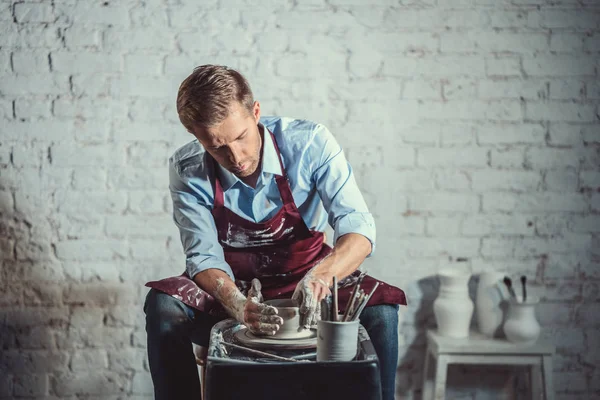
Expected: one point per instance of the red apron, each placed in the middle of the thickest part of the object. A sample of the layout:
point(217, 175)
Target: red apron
point(279, 252)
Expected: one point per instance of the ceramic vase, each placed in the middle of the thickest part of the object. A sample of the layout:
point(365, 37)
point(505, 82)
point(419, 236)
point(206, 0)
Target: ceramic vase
point(521, 324)
point(488, 302)
point(453, 307)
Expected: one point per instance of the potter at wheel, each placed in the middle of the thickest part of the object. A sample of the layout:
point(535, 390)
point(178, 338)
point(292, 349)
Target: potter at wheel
point(290, 335)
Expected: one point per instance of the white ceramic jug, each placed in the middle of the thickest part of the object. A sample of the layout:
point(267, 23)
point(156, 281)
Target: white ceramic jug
point(488, 301)
point(521, 325)
point(453, 307)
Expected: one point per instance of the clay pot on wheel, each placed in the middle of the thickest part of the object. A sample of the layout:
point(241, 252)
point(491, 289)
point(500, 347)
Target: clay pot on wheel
point(290, 313)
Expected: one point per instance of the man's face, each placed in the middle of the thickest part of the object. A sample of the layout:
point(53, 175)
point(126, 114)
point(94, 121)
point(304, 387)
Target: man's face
point(236, 142)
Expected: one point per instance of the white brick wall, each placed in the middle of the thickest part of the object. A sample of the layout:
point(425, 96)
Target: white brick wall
point(473, 127)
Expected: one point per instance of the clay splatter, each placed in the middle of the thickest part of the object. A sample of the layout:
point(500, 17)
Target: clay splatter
point(243, 238)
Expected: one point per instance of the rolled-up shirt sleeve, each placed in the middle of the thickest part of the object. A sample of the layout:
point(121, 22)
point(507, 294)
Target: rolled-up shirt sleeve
point(192, 215)
point(335, 182)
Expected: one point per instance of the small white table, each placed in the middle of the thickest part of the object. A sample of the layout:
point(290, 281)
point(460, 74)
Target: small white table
point(478, 349)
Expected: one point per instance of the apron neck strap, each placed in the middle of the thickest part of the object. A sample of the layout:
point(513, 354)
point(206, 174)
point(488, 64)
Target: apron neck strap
point(282, 180)
point(219, 201)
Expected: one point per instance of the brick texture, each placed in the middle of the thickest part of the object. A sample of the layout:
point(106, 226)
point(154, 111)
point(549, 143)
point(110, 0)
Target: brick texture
point(483, 145)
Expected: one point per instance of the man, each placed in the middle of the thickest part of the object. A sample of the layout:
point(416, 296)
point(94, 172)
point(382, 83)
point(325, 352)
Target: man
point(251, 198)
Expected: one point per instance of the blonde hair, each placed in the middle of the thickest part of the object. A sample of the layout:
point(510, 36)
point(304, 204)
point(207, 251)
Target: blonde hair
point(205, 97)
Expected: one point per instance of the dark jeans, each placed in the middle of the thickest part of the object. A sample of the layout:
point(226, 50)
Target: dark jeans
point(172, 327)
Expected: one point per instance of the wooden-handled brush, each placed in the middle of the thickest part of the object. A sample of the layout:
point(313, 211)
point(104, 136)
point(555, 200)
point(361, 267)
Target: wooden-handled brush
point(334, 311)
point(523, 283)
point(508, 284)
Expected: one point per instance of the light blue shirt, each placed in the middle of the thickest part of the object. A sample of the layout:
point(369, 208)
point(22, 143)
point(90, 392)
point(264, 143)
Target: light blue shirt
point(321, 180)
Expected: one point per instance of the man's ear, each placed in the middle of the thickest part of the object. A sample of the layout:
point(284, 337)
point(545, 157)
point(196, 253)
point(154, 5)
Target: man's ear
point(256, 111)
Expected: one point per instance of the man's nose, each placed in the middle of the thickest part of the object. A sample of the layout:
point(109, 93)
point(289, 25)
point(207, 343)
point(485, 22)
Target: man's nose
point(235, 154)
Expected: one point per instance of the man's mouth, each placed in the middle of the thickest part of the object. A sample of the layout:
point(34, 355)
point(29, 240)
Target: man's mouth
point(240, 168)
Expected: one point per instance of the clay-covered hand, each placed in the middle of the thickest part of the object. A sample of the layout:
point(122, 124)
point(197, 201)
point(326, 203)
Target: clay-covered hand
point(308, 295)
point(260, 318)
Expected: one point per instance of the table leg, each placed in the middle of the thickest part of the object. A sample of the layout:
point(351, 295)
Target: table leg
point(547, 378)
point(440, 377)
point(535, 378)
point(426, 393)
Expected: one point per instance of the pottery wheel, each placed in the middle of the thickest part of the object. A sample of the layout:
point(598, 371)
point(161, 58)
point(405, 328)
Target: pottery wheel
point(245, 337)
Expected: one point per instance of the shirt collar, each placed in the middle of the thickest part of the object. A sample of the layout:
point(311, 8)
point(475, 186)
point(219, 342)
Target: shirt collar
point(270, 162)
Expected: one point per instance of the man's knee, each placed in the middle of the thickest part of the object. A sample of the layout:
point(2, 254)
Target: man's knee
point(380, 316)
point(164, 313)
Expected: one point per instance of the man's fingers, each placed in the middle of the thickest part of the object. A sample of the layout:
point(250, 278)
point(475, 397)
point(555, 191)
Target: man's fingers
point(300, 301)
point(255, 285)
point(308, 321)
point(263, 324)
point(261, 328)
point(262, 312)
point(266, 309)
point(251, 317)
point(255, 288)
point(270, 319)
point(310, 313)
point(302, 321)
point(322, 292)
point(254, 306)
point(317, 315)
point(307, 300)
point(297, 297)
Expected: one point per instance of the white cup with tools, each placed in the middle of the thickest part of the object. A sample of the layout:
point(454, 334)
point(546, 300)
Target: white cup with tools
point(337, 340)
point(337, 337)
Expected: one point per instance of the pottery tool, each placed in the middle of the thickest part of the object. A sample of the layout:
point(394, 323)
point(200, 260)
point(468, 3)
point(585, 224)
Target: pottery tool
point(334, 312)
point(353, 297)
point(523, 283)
point(350, 305)
point(359, 299)
point(354, 306)
point(508, 284)
point(326, 308)
point(258, 352)
point(364, 303)
point(307, 356)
